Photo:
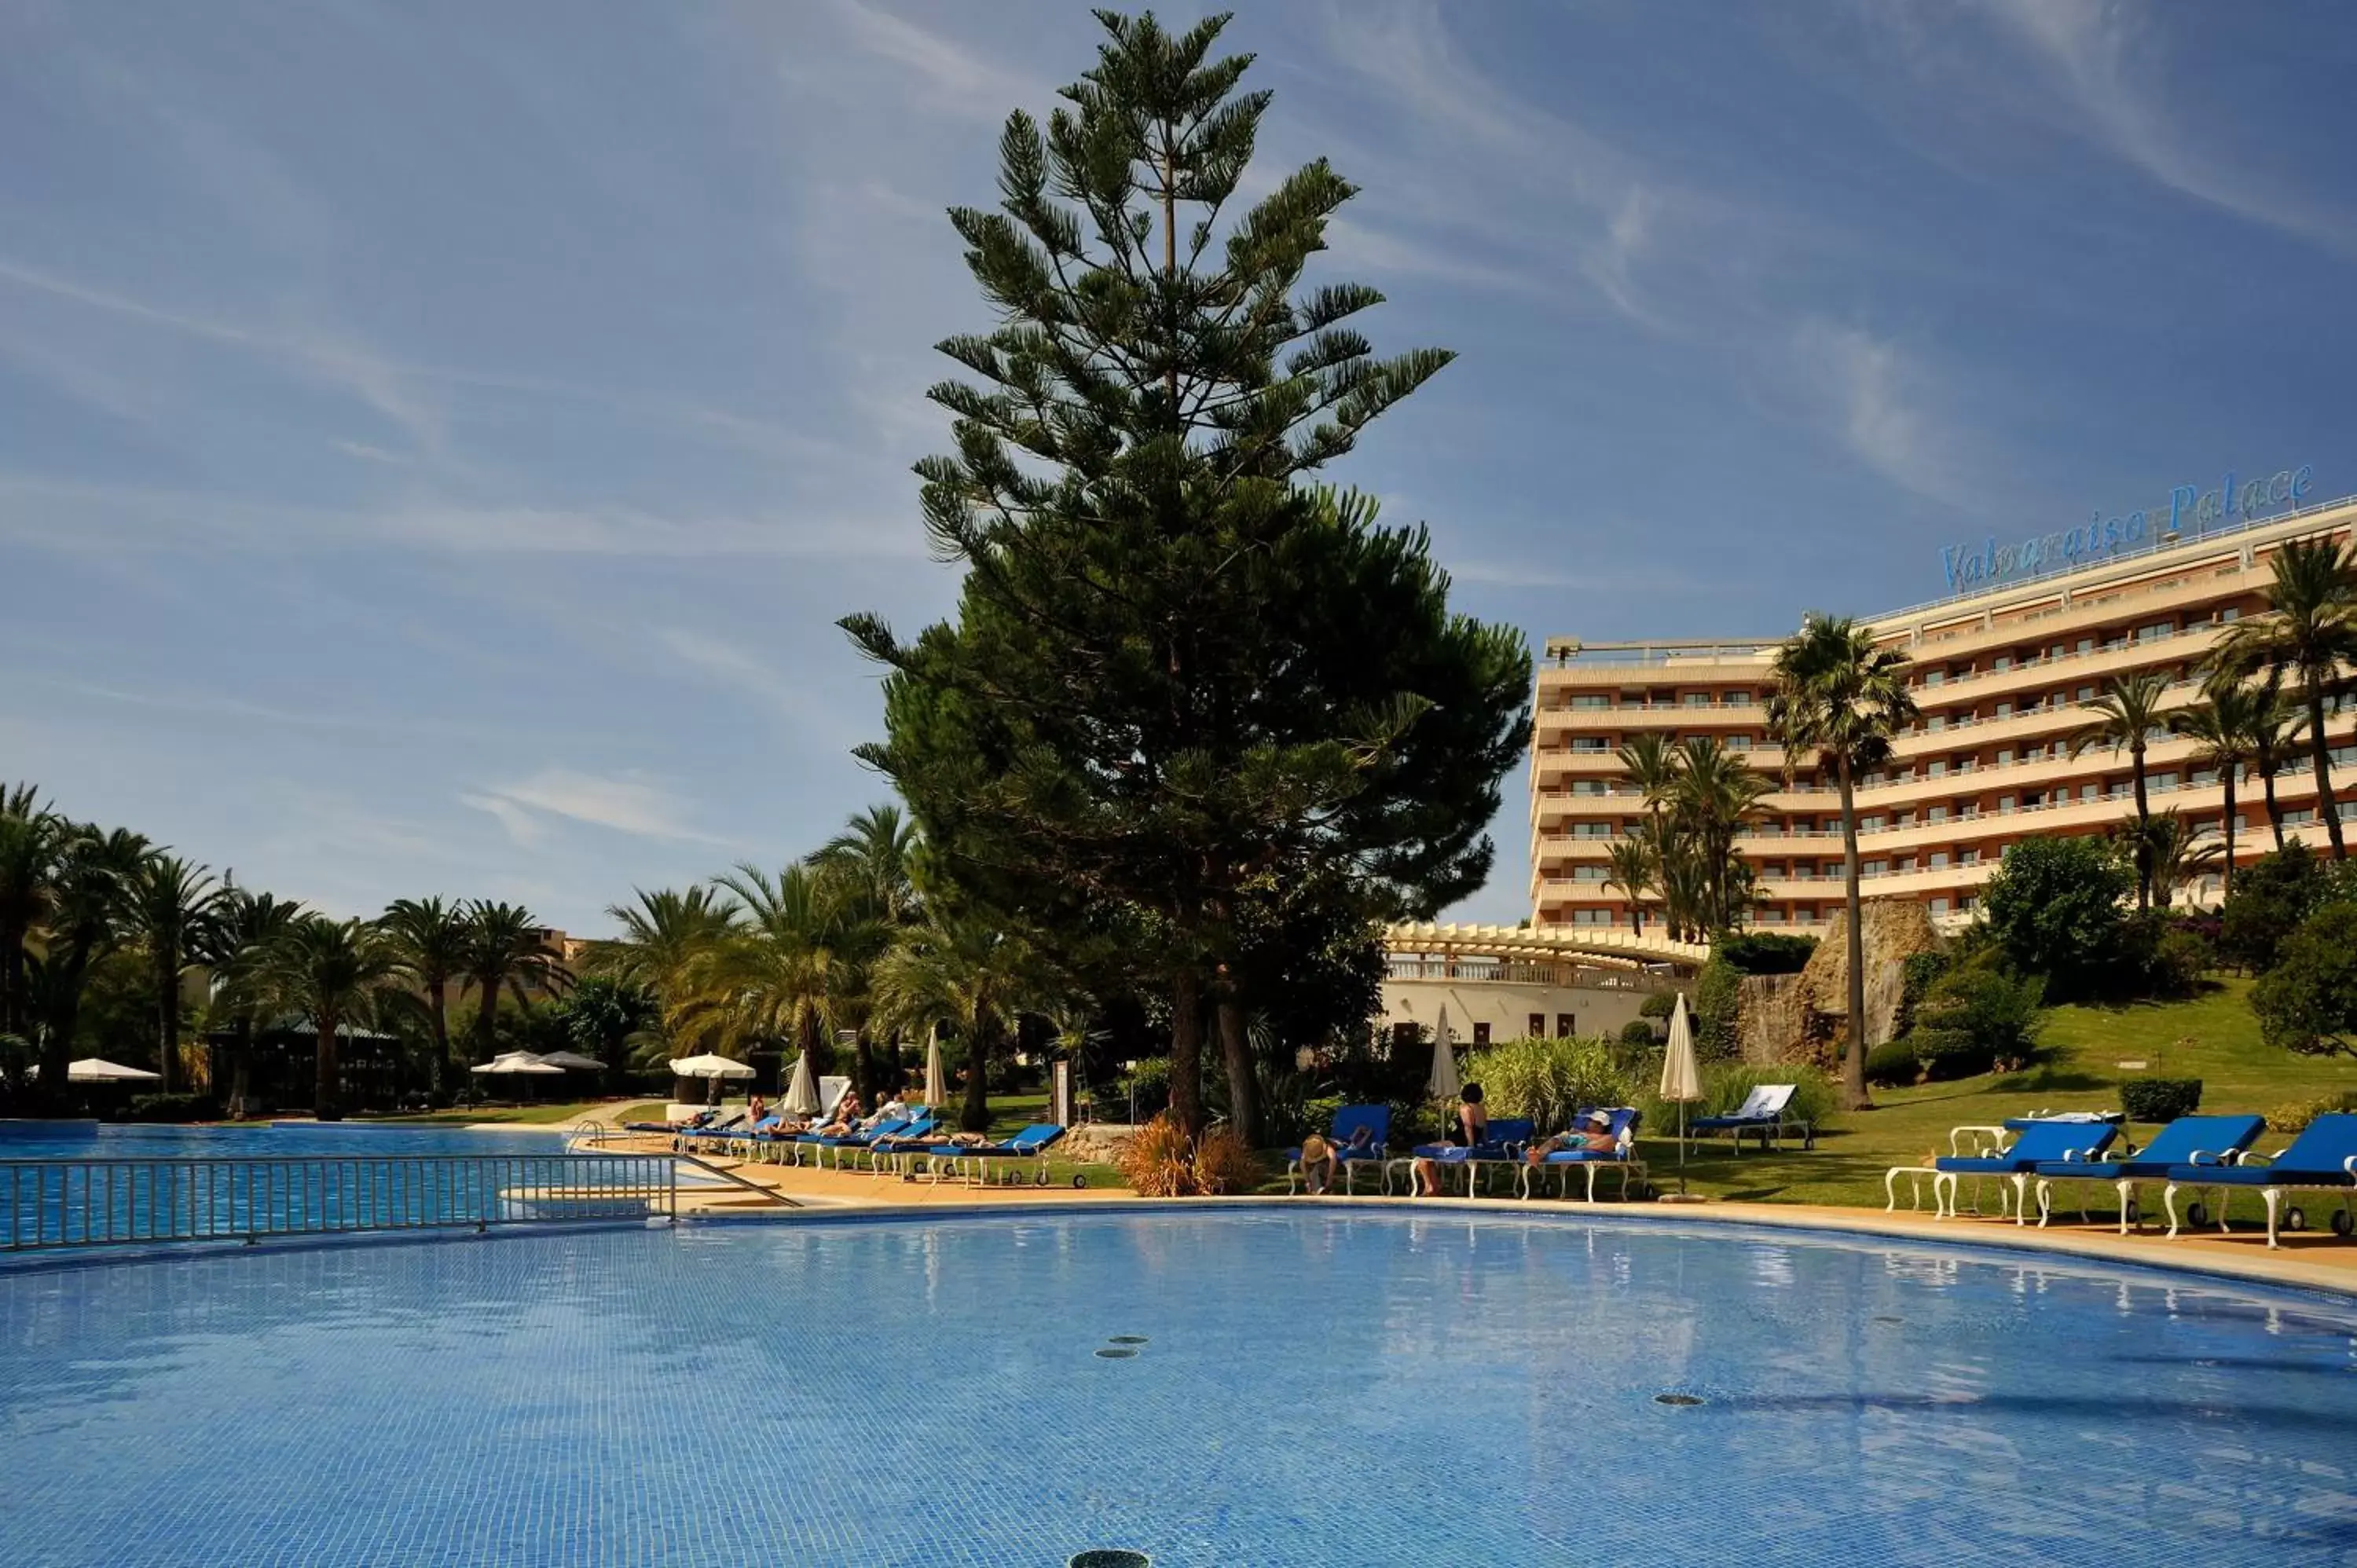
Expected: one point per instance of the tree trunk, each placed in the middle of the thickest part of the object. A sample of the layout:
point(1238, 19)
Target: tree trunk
point(2268, 791)
point(1854, 1058)
point(2232, 823)
point(1187, 1053)
point(487, 1014)
point(324, 1082)
point(1243, 1083)
point(241, 1069)
point(2144, 832)
point(2320, 752)
point(974, 1116)
point(437, 1016)
point(14, 1003)
point(167, 1012)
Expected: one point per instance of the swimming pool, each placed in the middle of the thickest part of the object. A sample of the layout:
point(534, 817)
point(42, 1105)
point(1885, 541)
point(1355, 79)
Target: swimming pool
point(1314, 1386)
point(112, 1141)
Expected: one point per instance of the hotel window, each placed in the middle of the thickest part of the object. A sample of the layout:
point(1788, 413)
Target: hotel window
point(2232, 612)
point(2004, 756)
point(2004, 711)
point(2031, 799)
point(2086, 644)
point(1904, 863)
point(1872, 867)
point(2086, 694)
point(2002, 661)
point(1698, 699)
point(1738, 743)
point(1968, 857)
point(1591, 917)
point(1738, 699)
point(1936, 813)
point(1590, 743)
point(1936, 861)
point(2086, 791)
point(1402, 1033)
point(1939, 906)
point(1590, 873)
point(1936, 676)
point(1936, 768)
point(2155, 631)
point(2005, 805)
point(1587, 786)
point(1535, 1029)
point(1935, 722)
point(1594, 830)
point(1776, 868)
point(2164, 780)
point(1869, 824)
point(1480, 1034)
point(1591, 700)
point(1566, 1025)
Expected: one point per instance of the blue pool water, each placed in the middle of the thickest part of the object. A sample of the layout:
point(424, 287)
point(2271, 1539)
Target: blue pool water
point(34, 1141)
point(1315, 1387)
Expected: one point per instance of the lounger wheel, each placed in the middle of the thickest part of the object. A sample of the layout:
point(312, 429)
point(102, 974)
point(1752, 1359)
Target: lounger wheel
point(1043, 1178)
point(2345, 1223)
point(1079, 1181)
point(2135, 1213)
point(2199, 1214)
point(2295, 1219)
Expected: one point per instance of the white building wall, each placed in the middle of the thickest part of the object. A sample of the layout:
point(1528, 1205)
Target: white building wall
point(1507, 1008)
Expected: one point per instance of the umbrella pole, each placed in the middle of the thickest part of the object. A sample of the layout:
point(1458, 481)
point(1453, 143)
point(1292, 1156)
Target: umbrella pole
point(1682, 1148)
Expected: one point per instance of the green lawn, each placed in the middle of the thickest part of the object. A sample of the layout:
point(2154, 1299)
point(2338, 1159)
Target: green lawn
point(558, 1113)
point(2214, 1039)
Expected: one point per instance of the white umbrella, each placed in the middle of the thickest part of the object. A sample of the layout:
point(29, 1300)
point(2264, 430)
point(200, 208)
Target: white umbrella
point(574, 1059)
point(937, 1082)
point(517, 1062)
point(1444, 1083)
point(1681, 1078)
point(96, 1069)
point(802, 1094)
point(711, 1067)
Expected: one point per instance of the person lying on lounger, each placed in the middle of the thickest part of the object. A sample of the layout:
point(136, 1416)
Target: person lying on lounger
point(1592, 1136)
point(847, 1117)
point(892, 1110)
point(1470, 1129)
point(1320, 1159)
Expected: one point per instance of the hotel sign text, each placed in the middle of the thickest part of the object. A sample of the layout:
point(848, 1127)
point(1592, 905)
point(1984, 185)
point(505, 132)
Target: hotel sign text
point(1984, 565)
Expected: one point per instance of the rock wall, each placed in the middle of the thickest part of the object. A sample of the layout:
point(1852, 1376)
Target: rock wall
point(1804, 1018)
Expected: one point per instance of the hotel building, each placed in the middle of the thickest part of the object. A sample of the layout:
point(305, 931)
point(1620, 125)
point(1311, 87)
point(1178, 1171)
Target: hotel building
point(2001, 673)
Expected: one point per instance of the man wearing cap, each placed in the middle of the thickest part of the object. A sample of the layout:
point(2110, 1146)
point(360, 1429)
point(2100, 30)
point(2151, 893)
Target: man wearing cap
point(1593, 1135)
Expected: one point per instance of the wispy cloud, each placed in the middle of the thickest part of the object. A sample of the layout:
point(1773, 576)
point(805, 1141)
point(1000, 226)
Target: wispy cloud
point(1875, 400)
point(956, 75)
point(628, 803)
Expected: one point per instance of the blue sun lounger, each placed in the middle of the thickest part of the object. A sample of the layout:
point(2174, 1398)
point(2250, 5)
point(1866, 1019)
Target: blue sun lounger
point(1350, 1149)
point(1031, 1143)
point(2189, 1140)
point(1504, 1145)
point(2040, 1142)
point(1766, 1110)
point(2321, 1159)
point(1622, 1126)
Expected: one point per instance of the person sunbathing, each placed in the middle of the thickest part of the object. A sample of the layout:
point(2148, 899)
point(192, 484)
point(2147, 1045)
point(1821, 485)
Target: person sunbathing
point(1592, 1136)
point(1470, 1129)
point(847, 1117)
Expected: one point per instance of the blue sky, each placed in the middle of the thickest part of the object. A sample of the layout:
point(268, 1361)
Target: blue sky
point(437, 439)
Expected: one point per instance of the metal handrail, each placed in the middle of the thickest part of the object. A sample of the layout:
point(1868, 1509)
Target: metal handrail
point(50, 1204)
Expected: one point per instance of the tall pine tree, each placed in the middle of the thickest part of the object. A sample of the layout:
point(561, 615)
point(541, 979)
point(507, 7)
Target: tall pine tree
point(1183, 677)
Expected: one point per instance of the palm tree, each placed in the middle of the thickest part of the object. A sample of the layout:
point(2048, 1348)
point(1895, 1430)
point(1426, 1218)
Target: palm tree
point(877, 849)
point(505, 954)
point(871, 869)
point(2176, 858)
point(1839, 700)
point(173, 901)
point(1651, 761)
point(662, 933)
point(30, 837)
point(2275, 728)
point(977, 977)
point(332, 971)
point(778, 975)
point(2128, 716)
point(1635, 866)
point(2221, 726)
point(1717, 793)
point(240, 944)
point(91, 916)
point(2308, 632)
point(429, 941)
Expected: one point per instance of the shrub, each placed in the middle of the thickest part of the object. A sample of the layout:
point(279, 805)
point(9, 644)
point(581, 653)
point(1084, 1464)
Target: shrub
point(1638, 1032)
point(173, 1108)
point(1660, 1005)
point(1717, 1002)
point(2271, 896)
point(1224, 1165)
point(1974, 1017)
point(1765, 952)
point(1943, 1055)
point(1813, 1097)
point(2160, 1099)
point(2295, 1116)
point(1893, 1065)
point(1547, 1081)
point(2053, 908)
point(2179, 961)
point(1918, 974)
point(1155, 1162)
point(1149, 1083)
point(2308, 1003)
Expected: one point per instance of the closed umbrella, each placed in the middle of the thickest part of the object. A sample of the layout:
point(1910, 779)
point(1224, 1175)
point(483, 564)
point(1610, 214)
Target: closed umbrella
point(1444, 1083)
point(1681, 1078)
point(709, 1066)
point(802, 1094)
point(937, 1082)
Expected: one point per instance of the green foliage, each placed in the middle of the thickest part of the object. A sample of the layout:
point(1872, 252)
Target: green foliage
point(1149, 1084)
point(2055, 909)
point(2271, 896)
point(1640, 1032)
point(2293, 1116)
point(1976, 1017)
point(1893, 1065)
point(1918, 972)
point(1660, 1005)
point(1765, 952)
point(180, 1107)
point(1717, 1002)
point(2308, 1003)
point(2160, 1100)
point(1547, 1081)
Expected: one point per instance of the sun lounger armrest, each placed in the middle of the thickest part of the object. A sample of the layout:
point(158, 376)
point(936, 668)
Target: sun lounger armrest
point(2350, 1165)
